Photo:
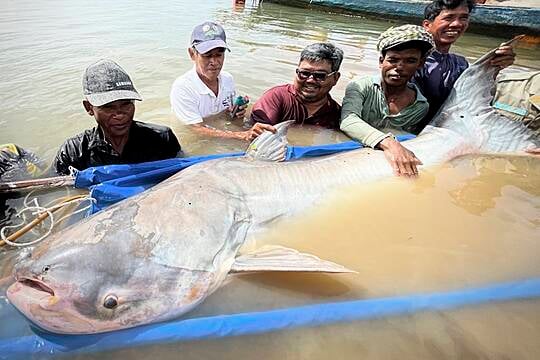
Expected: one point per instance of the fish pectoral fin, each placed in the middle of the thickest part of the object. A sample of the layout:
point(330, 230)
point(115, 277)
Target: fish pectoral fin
point(269, 146)
point(279, 258)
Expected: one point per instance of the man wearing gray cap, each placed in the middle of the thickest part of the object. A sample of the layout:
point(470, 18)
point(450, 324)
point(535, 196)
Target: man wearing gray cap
point(206, 92)
point(377, 107)
point(117, 139)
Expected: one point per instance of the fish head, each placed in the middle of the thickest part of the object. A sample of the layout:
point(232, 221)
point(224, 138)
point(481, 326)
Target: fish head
point(91, 288)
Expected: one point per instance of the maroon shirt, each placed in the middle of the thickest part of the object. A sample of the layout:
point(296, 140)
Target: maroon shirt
point(281, 103)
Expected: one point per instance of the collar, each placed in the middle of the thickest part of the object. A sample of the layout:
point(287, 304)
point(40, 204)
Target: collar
point(291, 89)
point(98, 140)
point(419, 96)
point(436, 54)
point(200, 86)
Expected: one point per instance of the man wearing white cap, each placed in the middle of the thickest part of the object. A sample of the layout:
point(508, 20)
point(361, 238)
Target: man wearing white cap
point(375, 108)
point(109, 97)
point(206, 90)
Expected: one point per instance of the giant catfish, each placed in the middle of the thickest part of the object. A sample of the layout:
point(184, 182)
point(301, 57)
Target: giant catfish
point(155, 256)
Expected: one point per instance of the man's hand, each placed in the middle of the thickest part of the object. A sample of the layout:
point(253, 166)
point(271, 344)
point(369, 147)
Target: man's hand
point(402, 160)
point(240, 112)
point(255, 131)
point(504, 56)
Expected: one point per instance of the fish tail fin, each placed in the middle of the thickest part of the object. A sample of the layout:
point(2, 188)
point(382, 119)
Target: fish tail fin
point(468, 111)
point(491, 54)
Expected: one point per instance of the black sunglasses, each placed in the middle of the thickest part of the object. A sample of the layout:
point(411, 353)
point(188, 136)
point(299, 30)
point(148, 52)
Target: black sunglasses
point(317, 76)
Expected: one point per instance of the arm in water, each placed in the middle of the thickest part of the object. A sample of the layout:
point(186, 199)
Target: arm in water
point(204, 129)
point(187, 111)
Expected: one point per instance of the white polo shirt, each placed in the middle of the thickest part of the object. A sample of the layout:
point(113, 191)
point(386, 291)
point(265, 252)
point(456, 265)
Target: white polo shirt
point(191, 99)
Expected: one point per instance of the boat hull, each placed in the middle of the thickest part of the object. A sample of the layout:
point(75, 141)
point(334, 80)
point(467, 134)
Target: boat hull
point(499, 19)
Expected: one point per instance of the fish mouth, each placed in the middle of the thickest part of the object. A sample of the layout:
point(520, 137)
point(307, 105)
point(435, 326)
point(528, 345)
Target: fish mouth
point(36, 285)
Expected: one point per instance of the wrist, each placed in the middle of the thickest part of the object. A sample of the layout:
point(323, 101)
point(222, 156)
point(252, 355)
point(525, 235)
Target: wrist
point(386, 142)
point(243, 135)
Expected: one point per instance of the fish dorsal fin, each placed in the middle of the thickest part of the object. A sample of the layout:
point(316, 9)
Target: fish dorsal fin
point(269, 146)
point(279, 258)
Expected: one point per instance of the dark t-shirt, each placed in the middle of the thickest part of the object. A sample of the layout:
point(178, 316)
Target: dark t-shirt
point(281, 103)
point(146, 142)
point(436, 79)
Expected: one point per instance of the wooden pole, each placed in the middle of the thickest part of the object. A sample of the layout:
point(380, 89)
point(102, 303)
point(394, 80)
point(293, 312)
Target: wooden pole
point(17, 234)
point(52, 182)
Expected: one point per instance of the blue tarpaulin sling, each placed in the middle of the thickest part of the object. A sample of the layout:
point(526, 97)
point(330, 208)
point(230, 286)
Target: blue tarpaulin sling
point(116, 182)
point(46, 344)
point(112, 183)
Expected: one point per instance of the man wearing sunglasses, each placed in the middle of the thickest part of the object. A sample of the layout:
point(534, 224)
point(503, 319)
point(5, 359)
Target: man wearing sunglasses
point(307, 100)
point(203, 96)
point(376, 107)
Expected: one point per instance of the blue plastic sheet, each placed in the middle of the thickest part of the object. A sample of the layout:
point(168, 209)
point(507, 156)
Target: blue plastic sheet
point(112, 183)
point(266, 321)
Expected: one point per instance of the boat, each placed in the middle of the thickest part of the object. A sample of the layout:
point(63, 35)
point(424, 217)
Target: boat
point(503, 20)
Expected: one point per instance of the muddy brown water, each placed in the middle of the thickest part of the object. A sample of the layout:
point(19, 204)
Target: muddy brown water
point(480, 218)
point(469, 223)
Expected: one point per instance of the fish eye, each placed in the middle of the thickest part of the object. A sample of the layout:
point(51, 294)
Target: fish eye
point(46, 268)
point(110, 302)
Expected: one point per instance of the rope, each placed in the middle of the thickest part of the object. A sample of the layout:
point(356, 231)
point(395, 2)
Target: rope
point(41, 213)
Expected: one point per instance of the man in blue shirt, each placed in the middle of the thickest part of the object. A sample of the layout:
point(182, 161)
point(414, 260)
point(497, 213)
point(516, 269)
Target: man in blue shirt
point(447, 20)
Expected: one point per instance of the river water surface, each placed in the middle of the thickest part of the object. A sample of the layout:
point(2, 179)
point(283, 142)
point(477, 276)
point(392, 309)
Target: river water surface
point(469, 223)
point(46, 46)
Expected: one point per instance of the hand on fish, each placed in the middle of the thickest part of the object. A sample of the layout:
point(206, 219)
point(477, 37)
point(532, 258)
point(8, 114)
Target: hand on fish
point(402, 160)
point(256, 130)
point(504, 56)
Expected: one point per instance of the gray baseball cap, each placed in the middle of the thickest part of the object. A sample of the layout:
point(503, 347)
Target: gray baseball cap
point(208, 36)
point(105, 81)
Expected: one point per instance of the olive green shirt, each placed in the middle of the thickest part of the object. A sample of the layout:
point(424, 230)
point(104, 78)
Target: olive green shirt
point(365, 111)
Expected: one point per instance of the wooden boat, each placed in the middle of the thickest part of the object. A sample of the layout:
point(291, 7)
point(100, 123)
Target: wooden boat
point(503, 20)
